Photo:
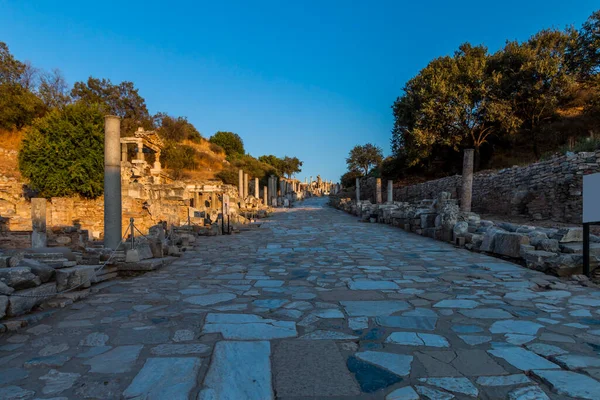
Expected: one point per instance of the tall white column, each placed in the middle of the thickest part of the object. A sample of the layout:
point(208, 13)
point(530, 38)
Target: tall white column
point(241, 183)
point(467, 181)
point(112, 182)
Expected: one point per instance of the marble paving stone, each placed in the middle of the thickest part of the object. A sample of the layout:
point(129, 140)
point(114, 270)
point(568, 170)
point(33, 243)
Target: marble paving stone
point(454, 385)
point(374, 308)
point(57, 382)
point(57, 360)
point(94, 339)
point(399, 364)
point(404, 322)
point(476, 363)
point(180, 349)
point(405, 393)
point(94, 351)
point(371, 378)
point(515, 326)
point(528, 393)
point(469, 304)
point(570, 383)
point(311, 369)
point(433, 394)
point(486, 313)
point(545, 350)
point(506, 380)
point(248, 327)
point(372, 285)
point(577, 361)
point(208, 299)
point(358, 323)
point(523, 359)
point(466, 328)
point(329, 314)
point(417, 339)
point(115, 361)
point(474, 340)
point(164, 378)
point(239, 370)
point(15, 393)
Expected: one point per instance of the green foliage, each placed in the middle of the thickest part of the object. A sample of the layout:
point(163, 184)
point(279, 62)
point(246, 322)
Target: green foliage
point(253, 167)
point(290, 166)
point(349, 179)
point(176, 156)
point(18, 104)
point(53, 90)
point(524, 96)
point(231, 142)
point(273, 161)
point(122, 100)
point(63, 153)
point(363, 158)
point(176, 129)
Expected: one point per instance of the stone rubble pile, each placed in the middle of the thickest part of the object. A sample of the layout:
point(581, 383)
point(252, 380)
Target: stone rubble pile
point(556, 251)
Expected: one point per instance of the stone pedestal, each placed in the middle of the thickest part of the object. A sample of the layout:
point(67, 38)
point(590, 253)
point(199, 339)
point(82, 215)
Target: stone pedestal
point(112, 182)
point(378, 196)
point(390, 192)
point(241, 184)
point(467, 181)
point(38, 223)
point(357, 190)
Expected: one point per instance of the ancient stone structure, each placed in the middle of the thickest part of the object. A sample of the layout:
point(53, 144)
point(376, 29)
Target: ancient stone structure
point(256, 189)
point(467, 181)
point(390, 191)
point(378, 190)
point(241, 183)
point(38, 222)
point(144, 141)
point(112, 182)
point(357, 189)
point(551, 189)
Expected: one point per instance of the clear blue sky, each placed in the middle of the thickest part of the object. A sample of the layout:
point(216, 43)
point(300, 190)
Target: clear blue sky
point(299, 78)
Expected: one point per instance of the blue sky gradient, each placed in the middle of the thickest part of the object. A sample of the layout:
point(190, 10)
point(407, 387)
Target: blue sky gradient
point(309, 79)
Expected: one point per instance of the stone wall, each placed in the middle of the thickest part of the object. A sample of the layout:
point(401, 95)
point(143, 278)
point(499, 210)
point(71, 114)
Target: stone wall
point(548, 190)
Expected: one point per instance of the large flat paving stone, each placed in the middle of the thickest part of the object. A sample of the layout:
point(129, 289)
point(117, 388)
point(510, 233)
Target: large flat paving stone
point(311, 369)
point(248, 327)
point(164, 378)
point(374, 308)
point(570, 383)
point(239, 370)
point(115, 361)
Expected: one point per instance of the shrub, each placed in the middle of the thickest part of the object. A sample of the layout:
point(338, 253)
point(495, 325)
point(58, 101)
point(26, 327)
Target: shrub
point(62, 153)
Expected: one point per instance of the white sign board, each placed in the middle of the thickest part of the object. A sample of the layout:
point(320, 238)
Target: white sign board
point(591, 198)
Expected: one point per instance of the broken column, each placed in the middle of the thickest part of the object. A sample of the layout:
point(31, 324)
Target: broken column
point(112, 182)
point(246, 191)
point(378, 198)
point(241, 183)
point(467, 181)
point(357, 190)
point(390, 192)
point(256, 188)
point(38, 222)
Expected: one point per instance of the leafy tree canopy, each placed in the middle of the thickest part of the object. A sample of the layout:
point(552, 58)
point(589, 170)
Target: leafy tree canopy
point(363, 158)
point(122, 100)
point(62, 153)
point(176, 129)
point(231, 142)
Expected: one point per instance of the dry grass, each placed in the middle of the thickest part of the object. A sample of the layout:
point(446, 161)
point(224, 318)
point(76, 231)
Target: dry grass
point(11, 140)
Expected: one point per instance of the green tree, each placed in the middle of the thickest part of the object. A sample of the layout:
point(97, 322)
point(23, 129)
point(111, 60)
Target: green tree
point(290, 166)
point(18, 104)
point(348, 180)
point(533, 78)
point(584, 51)
point(231, 142)
point(122, 100)
point(62, 153)
point(272, 160)
point(363, 158)
point(53, 89)
point(176, 129)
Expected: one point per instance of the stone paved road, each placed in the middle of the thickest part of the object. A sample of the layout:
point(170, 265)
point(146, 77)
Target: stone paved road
point(316, 305)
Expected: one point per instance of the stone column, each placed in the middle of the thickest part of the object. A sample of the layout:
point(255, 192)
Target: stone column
point(38, 222)
point(123, 152)
point(140, 151)
point(467, 181)
point(256, 188)
point(265, 196)
point(357, 190)
point(378, 196)
point(241, 183)
point(246, 191)
point(390, 192)
point(157, 165)
point(112, 182)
